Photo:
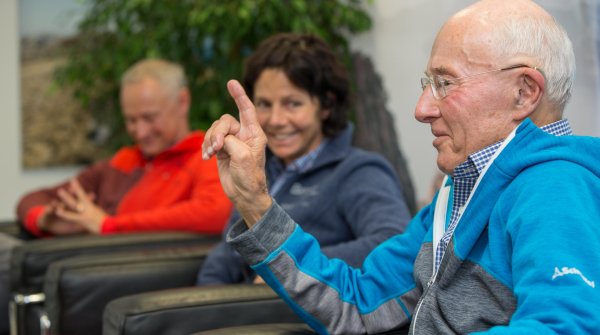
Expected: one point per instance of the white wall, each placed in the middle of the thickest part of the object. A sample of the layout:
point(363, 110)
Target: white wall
point(399, 45)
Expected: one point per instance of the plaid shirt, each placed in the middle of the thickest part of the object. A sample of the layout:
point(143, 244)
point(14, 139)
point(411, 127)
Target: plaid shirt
point(465, 176)
point(282, 173)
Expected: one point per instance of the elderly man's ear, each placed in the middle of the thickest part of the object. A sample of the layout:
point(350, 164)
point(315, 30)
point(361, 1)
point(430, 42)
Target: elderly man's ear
point(529, 93)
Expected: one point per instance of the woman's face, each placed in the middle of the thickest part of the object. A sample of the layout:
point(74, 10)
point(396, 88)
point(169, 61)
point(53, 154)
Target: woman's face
point(289, 116)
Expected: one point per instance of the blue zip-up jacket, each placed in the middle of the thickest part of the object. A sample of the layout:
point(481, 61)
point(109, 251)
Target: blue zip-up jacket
point(524, 258)
point(349, 199)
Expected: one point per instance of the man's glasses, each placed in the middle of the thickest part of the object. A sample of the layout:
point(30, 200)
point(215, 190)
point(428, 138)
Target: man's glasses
point(439, 84)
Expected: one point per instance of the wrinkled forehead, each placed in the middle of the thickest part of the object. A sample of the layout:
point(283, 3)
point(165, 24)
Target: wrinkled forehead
point(463, 45)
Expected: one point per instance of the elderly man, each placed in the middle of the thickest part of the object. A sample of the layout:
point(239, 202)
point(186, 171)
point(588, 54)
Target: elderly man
point(508, 245)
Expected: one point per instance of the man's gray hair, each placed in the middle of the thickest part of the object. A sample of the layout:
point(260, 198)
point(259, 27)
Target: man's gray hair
point(168, 74)
point(547, 43)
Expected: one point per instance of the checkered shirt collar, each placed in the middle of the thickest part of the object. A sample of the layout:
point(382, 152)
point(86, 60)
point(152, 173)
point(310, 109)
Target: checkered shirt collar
point(479, 159)
point(299, 165)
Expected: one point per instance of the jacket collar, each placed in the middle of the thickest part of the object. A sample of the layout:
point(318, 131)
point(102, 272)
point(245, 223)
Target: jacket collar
point(129, 158)
point(335, 150)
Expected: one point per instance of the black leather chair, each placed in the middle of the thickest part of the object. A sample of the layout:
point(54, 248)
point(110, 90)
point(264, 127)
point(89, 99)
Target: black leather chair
point(77, 289)
point(30, 261)
point(277, 329)
point(263, 329)
point(242, 309)
point(192, 309)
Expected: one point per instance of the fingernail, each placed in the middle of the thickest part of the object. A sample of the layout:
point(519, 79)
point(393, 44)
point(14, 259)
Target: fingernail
point(207, 153)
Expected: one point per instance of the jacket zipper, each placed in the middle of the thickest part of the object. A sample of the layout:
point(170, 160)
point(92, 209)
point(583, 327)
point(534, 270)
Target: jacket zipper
point(429, 283)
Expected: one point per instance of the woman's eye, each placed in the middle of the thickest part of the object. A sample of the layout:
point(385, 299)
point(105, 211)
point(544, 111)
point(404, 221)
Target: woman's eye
point(293, 104)
point(261, 104)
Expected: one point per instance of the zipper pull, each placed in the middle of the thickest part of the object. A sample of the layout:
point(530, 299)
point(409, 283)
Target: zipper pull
point(431, 280)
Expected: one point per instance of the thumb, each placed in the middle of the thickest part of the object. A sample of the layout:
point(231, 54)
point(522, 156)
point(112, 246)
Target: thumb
point(248, 118)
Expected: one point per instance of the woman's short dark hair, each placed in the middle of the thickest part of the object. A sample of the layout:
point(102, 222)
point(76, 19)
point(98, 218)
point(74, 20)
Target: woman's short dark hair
point(310, 64)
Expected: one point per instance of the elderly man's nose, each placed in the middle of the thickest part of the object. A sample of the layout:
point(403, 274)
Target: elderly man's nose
point(427, 108)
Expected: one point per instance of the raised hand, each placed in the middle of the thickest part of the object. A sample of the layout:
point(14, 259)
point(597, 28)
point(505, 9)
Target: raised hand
point(240, 150)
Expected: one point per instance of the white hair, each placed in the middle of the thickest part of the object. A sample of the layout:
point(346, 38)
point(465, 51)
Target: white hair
point(169, 75)
point(546, 42)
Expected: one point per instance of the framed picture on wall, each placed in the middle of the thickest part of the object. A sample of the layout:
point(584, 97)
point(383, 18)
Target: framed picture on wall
point(56, 129)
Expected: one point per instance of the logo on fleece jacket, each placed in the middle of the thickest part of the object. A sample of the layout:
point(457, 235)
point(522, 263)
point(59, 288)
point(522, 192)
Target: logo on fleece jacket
point(571, 271)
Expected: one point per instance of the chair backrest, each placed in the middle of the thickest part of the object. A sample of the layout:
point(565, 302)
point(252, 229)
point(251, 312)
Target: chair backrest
point(193, 309)
point(30, 261)
point(264, 329)
point(77, 289)
point(277, 329)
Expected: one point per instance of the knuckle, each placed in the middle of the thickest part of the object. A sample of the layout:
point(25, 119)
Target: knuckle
point(245, 156)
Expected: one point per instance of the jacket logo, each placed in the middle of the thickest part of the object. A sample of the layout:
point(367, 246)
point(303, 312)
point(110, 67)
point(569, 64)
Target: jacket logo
point(300, 190)
point(572, 271)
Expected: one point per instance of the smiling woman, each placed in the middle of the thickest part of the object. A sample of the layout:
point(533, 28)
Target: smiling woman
point(349, 199)
point(289, 116)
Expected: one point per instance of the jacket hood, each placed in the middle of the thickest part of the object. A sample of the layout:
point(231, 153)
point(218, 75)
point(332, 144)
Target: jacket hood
point(532, 146)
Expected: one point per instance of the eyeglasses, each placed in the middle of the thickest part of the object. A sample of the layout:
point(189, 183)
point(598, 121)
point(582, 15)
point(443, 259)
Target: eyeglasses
point(441, 84)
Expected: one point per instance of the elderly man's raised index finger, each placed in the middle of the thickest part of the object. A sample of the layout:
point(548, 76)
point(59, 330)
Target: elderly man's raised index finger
point(244, 105)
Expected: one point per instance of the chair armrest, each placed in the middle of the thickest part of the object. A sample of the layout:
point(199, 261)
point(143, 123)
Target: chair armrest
point(10, 227)
point(30, 260)
point(188, 310)
point(77, 289)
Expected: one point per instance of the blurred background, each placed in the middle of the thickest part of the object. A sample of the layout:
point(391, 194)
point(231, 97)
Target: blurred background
point(61, 61)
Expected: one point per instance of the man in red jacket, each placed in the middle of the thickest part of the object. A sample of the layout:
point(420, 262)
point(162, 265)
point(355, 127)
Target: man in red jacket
point(161, 183)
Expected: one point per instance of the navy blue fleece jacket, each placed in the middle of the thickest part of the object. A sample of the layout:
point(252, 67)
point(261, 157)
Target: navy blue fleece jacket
point(350, 200)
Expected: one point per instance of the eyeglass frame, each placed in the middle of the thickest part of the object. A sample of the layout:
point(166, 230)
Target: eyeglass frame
point(442, 82)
